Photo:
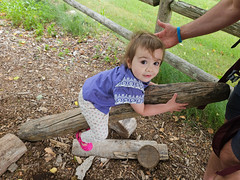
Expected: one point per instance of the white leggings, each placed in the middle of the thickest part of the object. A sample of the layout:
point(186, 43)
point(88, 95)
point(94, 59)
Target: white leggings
point(97, 121)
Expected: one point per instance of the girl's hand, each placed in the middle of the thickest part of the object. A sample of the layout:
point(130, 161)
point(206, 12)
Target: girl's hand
point(153, 109)
point(173, 106)
point(152, 83)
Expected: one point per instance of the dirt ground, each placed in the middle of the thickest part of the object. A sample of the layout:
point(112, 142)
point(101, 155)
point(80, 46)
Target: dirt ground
point(43, 77)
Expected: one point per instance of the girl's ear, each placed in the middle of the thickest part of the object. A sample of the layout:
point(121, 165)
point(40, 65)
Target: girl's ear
point(129, 63)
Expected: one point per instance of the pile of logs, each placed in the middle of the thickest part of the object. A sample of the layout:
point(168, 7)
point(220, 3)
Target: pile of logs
point(122, 121)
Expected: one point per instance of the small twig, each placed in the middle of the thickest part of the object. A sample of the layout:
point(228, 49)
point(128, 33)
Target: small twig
point(134, 175)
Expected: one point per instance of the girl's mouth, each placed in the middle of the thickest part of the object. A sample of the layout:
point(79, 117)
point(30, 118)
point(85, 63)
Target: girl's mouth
point(147, 76)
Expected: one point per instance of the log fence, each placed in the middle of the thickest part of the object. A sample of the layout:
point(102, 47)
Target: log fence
point(164, 14)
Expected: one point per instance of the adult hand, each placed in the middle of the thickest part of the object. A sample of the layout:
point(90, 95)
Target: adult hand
point(168, 35)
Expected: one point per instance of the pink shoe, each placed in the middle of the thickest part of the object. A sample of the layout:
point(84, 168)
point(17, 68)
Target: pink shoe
point(84, 146)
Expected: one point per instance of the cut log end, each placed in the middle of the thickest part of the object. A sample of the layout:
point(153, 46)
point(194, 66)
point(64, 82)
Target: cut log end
point(148, 156)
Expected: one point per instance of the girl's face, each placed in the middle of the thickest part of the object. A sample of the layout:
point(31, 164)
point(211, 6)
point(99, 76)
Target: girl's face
point(145, 66)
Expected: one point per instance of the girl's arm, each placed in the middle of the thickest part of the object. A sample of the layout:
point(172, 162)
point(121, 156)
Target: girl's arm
point(154, 109)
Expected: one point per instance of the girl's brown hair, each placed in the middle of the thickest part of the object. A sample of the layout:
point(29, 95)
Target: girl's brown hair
point(145, 40)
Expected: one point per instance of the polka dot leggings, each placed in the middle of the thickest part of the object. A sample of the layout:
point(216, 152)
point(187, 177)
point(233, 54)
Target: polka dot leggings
point(97, 121)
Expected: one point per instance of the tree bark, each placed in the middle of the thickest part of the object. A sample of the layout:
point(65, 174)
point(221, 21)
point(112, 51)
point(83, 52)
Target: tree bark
point(11, 149)
point(194, 93)
point(119, 149)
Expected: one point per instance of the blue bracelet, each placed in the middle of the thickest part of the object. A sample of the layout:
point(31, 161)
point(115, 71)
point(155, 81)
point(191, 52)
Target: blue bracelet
point(179, 35)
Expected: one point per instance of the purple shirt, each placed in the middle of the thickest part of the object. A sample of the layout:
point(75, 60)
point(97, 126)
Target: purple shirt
point(113, 87)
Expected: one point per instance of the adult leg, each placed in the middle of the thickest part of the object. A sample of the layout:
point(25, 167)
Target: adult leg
point(227, 156)
point(214, 164)
point(227, 159)
point(229, 153)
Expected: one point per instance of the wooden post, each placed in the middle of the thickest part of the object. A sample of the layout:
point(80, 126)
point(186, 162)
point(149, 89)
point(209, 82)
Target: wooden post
point(164, 13)
point(11, 149)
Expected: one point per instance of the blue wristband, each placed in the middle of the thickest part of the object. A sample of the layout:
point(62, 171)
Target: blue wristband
point(179, 35)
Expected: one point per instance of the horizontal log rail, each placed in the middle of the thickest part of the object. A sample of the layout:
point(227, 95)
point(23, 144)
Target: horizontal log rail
point(194, 93)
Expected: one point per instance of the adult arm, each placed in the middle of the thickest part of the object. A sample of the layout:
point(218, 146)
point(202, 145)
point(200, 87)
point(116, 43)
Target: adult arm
point(154, 109)
point(225, 13)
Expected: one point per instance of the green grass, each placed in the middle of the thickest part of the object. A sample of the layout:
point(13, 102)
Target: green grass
point(212, 53)
point(30, 15)
point(73, 22)
point(42, 15)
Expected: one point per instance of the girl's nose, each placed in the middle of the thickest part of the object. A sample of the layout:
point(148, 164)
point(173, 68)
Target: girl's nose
point(149, 68)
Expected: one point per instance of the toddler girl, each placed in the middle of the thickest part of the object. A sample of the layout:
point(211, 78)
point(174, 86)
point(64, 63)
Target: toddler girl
point(123, 84)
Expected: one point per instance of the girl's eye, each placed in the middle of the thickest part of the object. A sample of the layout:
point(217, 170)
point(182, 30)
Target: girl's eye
point(156, 63)
point(143, 62)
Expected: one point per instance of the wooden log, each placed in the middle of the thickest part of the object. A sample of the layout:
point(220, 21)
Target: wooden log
point(119, 149)
point(148, 156)
point(124, 127)
point(11, 149)
point(194, 93)
point(164, 13)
